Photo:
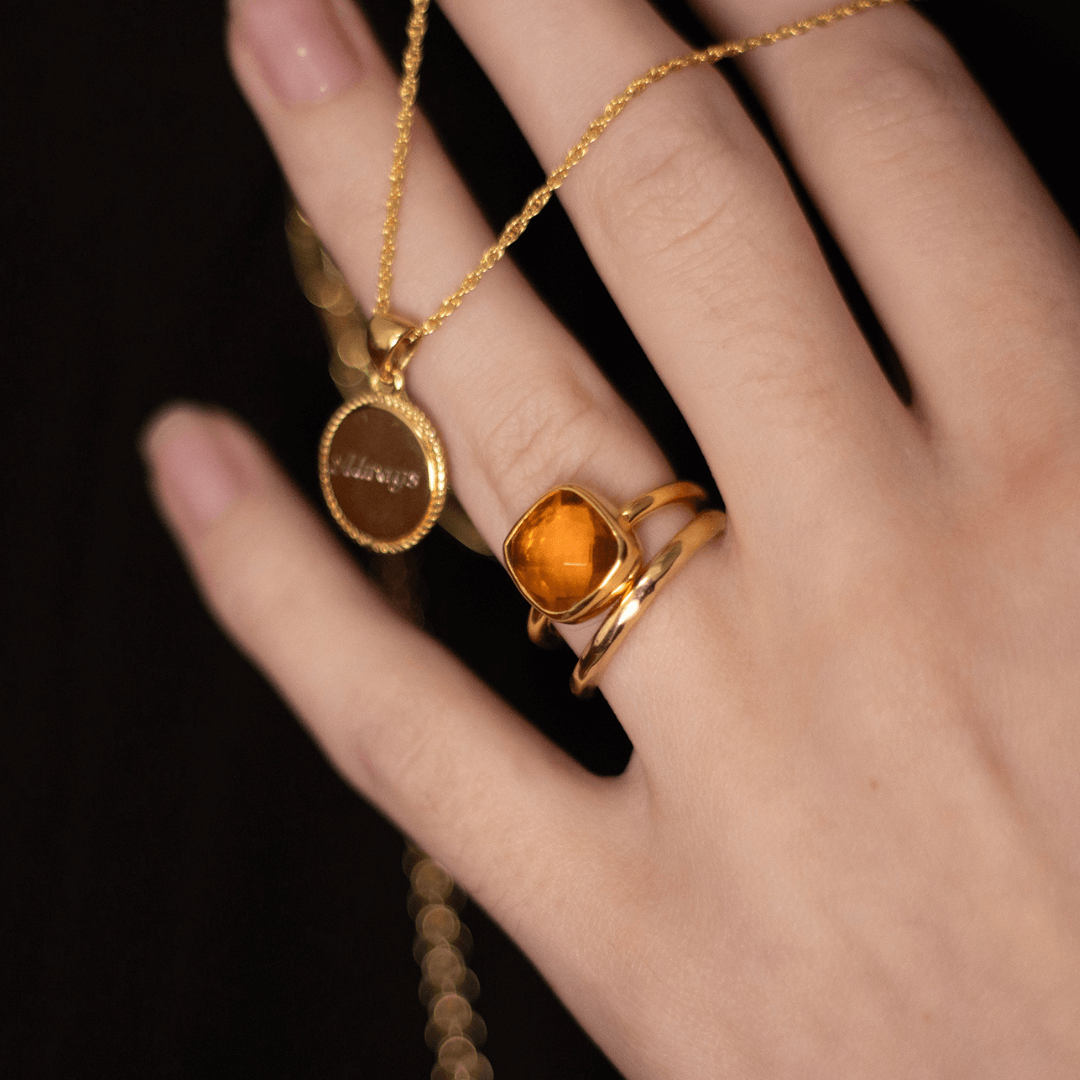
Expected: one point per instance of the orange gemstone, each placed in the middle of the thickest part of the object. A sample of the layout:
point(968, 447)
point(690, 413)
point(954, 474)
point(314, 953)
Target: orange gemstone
point(561, 551)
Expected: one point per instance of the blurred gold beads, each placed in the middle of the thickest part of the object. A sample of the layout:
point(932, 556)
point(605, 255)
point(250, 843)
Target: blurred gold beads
point(448, 988)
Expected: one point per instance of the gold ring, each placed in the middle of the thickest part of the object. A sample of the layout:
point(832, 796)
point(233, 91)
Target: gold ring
point(572, 555)
point(635, 600)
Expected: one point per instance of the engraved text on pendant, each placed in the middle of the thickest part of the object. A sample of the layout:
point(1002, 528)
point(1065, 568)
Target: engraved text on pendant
point(383, 471)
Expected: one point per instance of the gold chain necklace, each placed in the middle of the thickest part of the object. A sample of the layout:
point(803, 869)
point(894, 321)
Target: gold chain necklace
point(381, 462)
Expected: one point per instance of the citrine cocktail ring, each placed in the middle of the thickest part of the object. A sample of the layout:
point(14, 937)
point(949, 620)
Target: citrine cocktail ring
point(573, 556)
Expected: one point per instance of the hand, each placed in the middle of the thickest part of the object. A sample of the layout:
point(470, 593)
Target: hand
point(846, 842)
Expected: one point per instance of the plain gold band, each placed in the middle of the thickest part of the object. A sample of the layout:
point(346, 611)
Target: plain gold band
point(680, 492)
point(677, 492)
point(663, 568)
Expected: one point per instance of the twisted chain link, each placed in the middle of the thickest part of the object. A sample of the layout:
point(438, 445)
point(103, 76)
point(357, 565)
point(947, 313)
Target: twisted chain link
point(410, 82)
point(536, 202)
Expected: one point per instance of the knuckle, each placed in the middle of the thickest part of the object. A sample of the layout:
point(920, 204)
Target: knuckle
point(906, 105)
point(679, 182)
point(414, 761)
point(1034, 459)
point(547, 429)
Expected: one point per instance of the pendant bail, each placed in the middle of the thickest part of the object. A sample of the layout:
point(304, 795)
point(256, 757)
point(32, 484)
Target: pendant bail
point(390, 347)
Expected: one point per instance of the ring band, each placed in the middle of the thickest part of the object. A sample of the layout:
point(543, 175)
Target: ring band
point(573, 556)
point(632, 606)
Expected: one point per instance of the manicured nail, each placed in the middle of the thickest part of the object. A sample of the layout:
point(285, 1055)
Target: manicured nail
point(301, 49)
point(193, 474)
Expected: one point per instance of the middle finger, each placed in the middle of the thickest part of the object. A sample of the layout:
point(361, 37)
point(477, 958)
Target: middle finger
point(691, 222)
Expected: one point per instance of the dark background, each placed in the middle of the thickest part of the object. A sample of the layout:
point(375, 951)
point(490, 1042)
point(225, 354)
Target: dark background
point(186, 888)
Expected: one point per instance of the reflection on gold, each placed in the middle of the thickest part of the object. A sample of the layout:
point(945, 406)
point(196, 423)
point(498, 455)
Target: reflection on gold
point(431, 881)
point(443, 967)
point(352, 349)
point(451, 1012)
point(456, 1050)
point(437, 924)
point(454, 1030)
point(343, 322)
point(350, 381)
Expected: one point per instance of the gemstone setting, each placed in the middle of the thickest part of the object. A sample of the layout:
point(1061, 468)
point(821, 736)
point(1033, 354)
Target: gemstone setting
point(570, 555)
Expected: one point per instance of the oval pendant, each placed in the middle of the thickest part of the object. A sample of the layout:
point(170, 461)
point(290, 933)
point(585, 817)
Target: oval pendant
point(383, 471)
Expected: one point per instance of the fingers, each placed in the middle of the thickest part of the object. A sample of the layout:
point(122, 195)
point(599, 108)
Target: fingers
point(967, 262)
point(400, 719)
point(691, 223)
point(519, 406)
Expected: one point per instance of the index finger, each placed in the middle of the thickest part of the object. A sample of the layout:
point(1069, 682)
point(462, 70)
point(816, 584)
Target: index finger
point(401, 719)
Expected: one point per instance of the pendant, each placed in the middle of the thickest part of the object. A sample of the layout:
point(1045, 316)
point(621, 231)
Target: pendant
point(381, 463)
point(383, 471)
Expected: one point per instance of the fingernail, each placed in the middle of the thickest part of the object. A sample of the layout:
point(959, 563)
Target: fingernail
point(195, 478)
point(300, 48)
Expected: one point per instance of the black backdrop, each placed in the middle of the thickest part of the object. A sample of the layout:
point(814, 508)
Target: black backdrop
point(187, 888)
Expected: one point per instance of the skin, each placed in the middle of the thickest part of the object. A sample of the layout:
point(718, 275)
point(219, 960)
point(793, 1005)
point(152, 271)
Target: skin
point(846, 843)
